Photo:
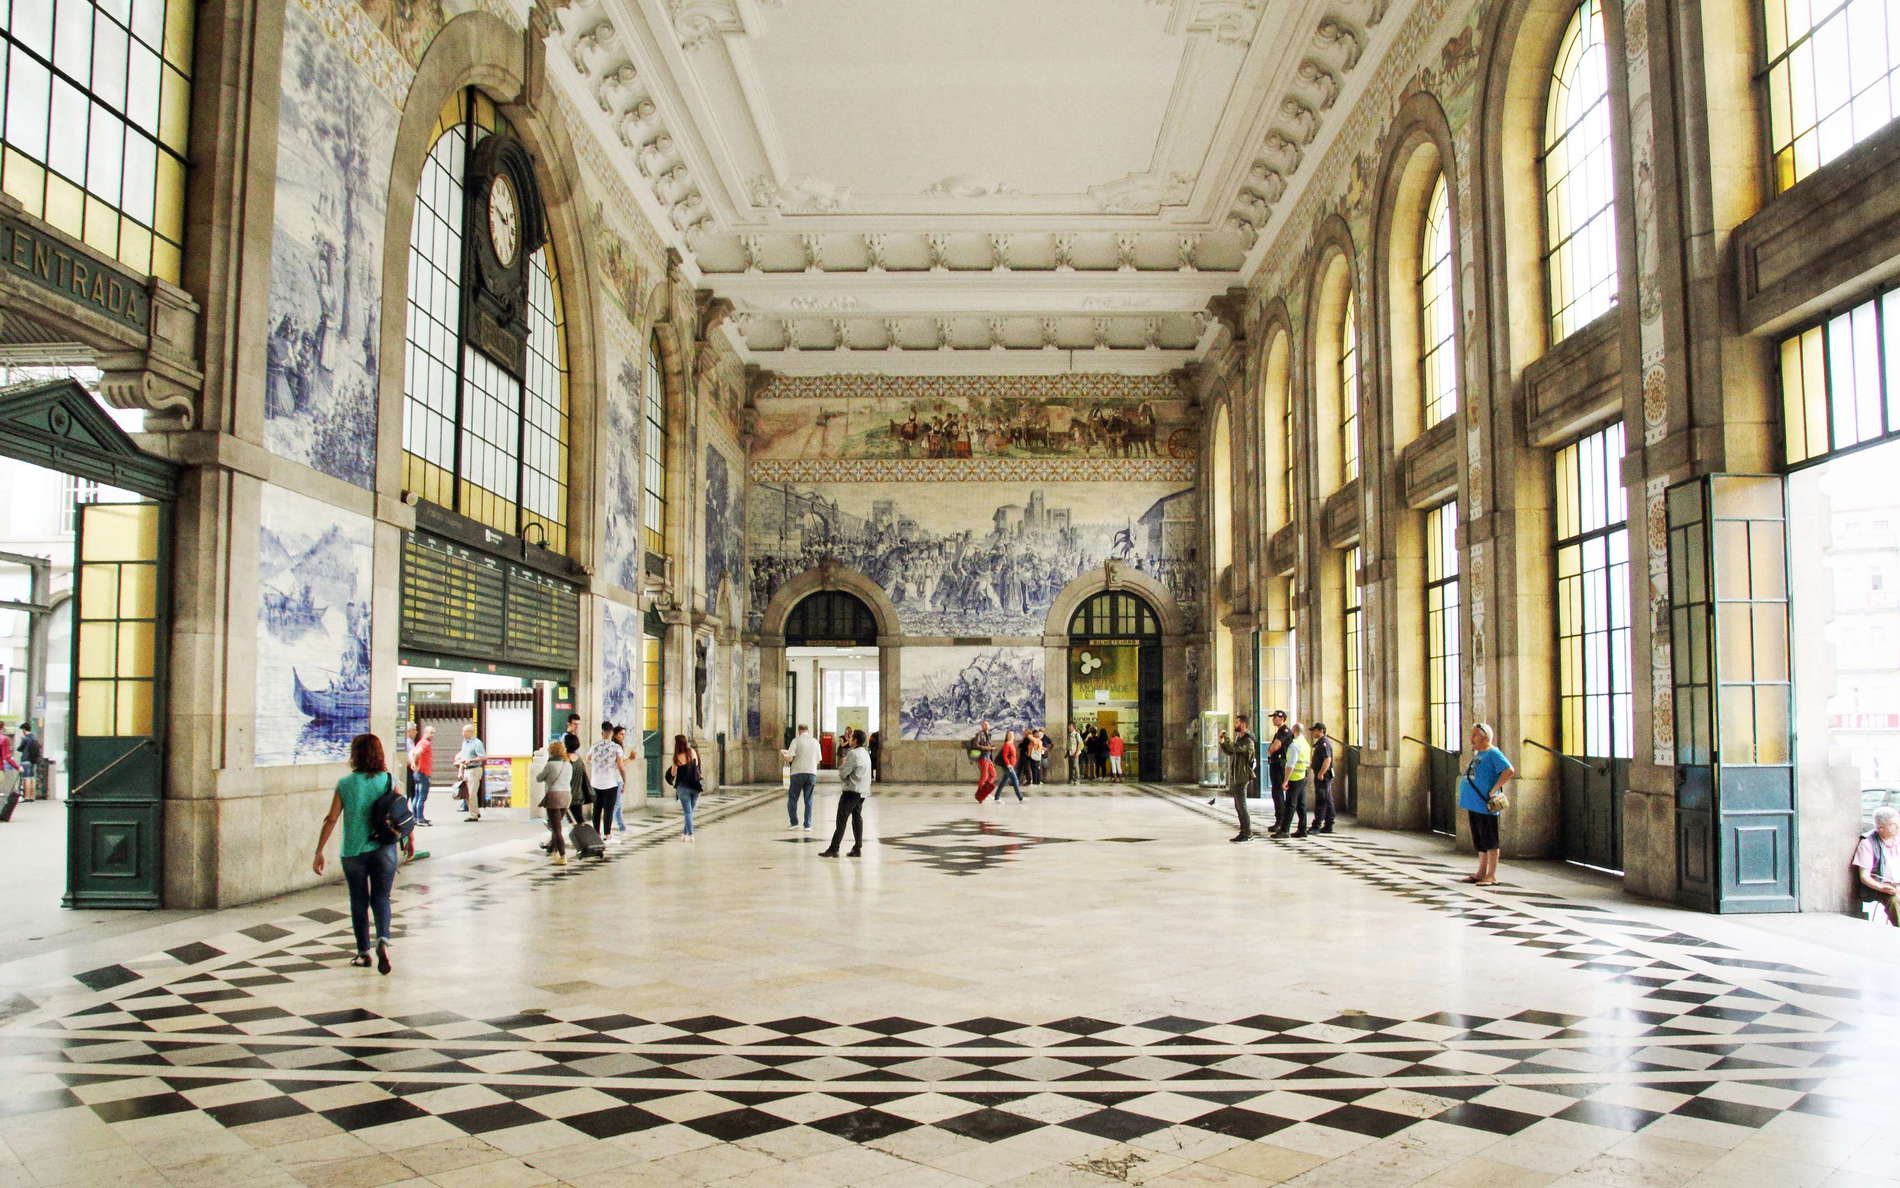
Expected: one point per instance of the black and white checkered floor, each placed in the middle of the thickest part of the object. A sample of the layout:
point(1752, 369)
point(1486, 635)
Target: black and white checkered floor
point(1121, 997)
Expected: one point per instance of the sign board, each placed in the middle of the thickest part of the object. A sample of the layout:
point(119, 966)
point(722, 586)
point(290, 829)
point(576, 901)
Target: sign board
point(458, 601)
point(75, 275)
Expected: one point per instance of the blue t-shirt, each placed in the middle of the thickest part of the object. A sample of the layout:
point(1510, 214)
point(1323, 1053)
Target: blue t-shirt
point(1481, 775)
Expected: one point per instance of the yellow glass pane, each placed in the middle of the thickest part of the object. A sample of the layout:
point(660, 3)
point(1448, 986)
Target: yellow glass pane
point(169, 199)
point(135, 708)
point(99, 592)
point(174, 111)
point(135, 246)
point(97, 710)
point(102, 226)
point(178, 31)
point(138, 591)
point(26, 181)
point(119, 532)
point(167, 261)
point(98, 649)
point(65, 205)
point(137, 648)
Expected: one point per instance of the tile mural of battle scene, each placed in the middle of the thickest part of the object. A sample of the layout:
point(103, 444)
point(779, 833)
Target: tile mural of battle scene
point(972, 427)
point(968, 558)
point(313, 629)
point(948, 692)
point(723, 532)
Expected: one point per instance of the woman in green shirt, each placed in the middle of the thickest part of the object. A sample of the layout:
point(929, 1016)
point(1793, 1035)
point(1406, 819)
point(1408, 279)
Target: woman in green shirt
point(369, 866)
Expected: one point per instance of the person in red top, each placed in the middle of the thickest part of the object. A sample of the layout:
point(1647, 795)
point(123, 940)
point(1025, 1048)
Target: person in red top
point(421, 758)
point(1006, 765)
point(1116, 749)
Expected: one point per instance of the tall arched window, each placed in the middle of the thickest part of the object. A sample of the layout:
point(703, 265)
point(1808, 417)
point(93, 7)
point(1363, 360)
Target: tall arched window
point(476, 438)
point(1348, 393)
point(654, 448)
point(97, 105)
point(1443, 671)
point(1833, 79)
point(1438, 364)
point(1579, 186)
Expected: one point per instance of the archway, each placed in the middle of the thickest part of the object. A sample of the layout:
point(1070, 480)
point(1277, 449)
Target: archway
point(1116, 680)
point(827, 658)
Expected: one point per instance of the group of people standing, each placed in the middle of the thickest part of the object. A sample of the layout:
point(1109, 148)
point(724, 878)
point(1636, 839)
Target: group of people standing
point(854, 777)
point(1096, 754)
point(1014, 760)
point(1298, 758)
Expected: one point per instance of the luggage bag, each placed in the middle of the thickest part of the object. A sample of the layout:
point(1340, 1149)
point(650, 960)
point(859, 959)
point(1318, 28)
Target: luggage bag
point(586, 841)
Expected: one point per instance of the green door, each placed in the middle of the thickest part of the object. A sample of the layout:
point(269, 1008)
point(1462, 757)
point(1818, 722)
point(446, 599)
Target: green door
point(1736, 838)
point(115, 817)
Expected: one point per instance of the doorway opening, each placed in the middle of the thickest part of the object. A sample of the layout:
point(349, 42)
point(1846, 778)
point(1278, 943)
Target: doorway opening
point(833, 680)
point(1115, 677)
point(84, 623)
point(515, 711)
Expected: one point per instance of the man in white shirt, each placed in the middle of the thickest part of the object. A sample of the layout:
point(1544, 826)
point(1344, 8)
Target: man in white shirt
point(803, 756)
point(605, 763)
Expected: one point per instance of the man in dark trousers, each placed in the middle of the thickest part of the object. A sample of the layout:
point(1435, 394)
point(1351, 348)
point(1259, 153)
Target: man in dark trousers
point(1276, 767)
point(30, 755)
point(1240, 751)
point(1322, 779)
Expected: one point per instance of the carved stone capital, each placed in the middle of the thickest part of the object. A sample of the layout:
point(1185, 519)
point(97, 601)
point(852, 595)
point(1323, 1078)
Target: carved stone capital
point(1231, 309)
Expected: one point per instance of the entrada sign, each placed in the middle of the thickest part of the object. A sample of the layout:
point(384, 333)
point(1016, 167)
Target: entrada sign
point(53, 265)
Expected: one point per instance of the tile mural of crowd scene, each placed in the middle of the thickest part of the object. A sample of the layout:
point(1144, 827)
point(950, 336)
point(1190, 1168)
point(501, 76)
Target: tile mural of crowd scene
point(723, 532)
point(313, 629)
point(947, 692)
point(967, 558)
point(621, 494)
point(621, 638)
point(336, 134)
point(972, 427)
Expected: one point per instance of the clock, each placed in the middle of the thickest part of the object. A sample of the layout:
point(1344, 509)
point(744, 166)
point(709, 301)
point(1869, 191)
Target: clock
point(504, 219)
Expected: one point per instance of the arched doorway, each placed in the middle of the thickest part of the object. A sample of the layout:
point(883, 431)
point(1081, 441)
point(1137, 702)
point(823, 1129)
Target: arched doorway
point(1115, 675)
point(832, 676)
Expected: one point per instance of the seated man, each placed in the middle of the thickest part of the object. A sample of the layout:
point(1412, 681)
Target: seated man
point(1877, 862)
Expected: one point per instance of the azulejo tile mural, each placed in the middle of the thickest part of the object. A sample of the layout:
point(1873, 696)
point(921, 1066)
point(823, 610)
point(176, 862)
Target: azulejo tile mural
point(621, 492)
point(313, 629)
point(967, 558)
point(620, 642)
point(336, 134)
point(1050, 425)
point(724, 525)
point(949, 691)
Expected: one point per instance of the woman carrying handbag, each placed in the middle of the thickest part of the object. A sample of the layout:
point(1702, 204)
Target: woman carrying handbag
point(1481, 795)
point(686, 780)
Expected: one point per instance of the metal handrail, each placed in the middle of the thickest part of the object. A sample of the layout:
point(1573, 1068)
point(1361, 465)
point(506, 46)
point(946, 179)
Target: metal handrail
point(1421, 742)
point(1583, 763)
point(97, 775)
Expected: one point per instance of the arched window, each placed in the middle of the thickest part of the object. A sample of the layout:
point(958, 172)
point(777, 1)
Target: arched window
point(1444, 673)
point(1348, 393)
point(97, 104)
point(654, 448)
point(476, 438)
point(1833, 79)
point(1438, 364)
point(1579, 187)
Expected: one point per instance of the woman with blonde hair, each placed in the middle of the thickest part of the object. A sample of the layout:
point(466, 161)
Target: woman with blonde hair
point(556, 777)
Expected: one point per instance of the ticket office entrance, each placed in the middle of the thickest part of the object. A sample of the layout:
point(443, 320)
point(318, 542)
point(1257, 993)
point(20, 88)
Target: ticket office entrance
point(1115, 677)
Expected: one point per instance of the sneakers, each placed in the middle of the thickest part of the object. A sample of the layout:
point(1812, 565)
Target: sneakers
point(560, 860)
point(1241, 837)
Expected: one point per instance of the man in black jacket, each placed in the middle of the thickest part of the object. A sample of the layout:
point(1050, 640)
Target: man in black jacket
point(1240, 772)
point(1276, 767)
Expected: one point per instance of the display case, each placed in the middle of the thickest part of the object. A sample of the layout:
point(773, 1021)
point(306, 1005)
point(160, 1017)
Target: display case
point(1214, 723)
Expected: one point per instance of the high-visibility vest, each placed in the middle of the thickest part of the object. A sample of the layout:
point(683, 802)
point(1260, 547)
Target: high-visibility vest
point(1299, 759)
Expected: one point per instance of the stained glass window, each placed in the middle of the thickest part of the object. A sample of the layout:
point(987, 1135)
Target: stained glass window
point(1579, 185)
point(1833, 78)
point(476, 439)
point(1593, 598)
point(97, 106)
point(1438, 310)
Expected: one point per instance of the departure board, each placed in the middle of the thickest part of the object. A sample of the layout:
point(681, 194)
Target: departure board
point(462, 602)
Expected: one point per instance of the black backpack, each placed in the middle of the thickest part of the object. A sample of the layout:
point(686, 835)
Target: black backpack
point(390, 817)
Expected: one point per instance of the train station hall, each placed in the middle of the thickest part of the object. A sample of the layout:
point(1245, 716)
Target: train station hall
point(949, 592)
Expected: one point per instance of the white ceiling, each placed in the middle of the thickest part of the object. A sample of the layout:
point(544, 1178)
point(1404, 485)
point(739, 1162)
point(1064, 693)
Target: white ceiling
point(952, 186)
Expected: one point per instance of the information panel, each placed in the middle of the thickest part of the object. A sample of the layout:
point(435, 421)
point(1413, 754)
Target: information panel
point(460, 602)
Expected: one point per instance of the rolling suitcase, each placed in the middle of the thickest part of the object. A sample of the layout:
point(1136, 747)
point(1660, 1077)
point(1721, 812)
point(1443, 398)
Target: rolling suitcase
point(586, 841)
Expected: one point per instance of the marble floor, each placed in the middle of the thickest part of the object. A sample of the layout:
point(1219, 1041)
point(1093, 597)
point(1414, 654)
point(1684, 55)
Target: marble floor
point(1091, 987)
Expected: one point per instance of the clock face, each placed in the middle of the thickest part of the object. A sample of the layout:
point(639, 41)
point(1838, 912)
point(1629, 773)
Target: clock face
point(504, 219)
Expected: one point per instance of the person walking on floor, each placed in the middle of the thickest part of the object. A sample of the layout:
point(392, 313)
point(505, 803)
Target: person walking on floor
point(578, 796)
point(1008, 757)
point(10, 780)
point(1098, 752)
point(369, 855)
point(873, 748)
point(854, 774)
point(982, 748)
point(620, 802)
point(1116, 749)
point(1322, 777)
point(30, 755)
point(470, 763)
point(1073, 752)
point(556, 779)
point(687, 781)
point(421, 760)
point(1299, 764)
point(803, 756)
point(1484, 779)
point(606, 768)
point(1240, 753)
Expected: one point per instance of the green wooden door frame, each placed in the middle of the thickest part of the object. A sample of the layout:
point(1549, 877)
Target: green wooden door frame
point(115, 814)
